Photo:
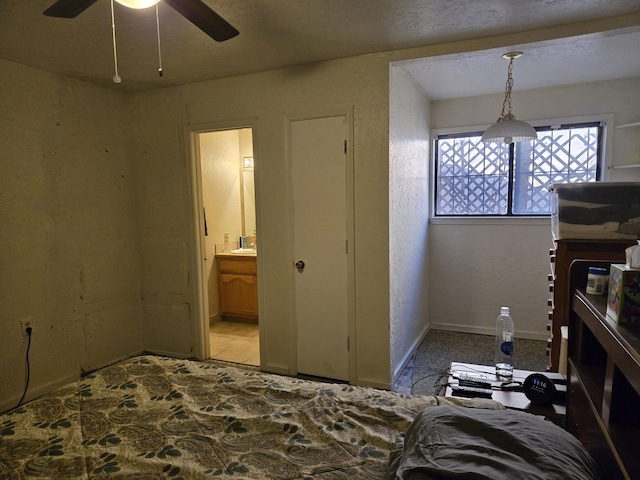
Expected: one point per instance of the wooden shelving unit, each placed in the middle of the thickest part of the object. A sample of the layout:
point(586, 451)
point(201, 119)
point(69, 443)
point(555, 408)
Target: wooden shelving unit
point(561, 257)
point(603, 405)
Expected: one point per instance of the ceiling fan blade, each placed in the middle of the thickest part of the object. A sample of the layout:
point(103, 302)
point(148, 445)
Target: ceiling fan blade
point(198, 13)
point(68, 8)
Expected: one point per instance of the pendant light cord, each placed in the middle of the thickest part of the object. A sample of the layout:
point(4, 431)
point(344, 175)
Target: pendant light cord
point(160, 71)
point(116, 77)
point(506, 104)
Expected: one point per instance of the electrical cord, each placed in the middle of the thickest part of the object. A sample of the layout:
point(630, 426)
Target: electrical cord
point(423, 378)
point(515, 384)
point(442, 380)
point(441, 383)
point(26, 387)
point(437, 385)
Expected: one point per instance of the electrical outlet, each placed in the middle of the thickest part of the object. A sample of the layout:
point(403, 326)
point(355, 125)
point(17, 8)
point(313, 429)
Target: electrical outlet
point(26, 323)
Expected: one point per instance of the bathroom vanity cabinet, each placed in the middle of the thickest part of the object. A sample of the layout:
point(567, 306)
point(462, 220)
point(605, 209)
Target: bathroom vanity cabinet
point(238, 285)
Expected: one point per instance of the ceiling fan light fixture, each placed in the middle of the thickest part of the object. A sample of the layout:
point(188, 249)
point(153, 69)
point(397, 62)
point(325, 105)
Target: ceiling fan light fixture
point(196, 11)
point(507, 129)
point(138, 4)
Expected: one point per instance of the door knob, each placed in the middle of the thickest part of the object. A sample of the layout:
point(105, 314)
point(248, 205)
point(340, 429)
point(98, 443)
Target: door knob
point(300, 265)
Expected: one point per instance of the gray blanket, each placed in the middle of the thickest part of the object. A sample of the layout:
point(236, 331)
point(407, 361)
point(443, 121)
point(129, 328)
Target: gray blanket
point(449, 442)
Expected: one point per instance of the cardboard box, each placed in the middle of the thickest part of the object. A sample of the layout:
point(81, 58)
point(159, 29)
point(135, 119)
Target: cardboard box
point(623, 302)
point(598, 210)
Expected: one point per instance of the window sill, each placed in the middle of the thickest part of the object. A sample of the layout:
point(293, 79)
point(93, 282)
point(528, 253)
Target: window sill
point(491, 221)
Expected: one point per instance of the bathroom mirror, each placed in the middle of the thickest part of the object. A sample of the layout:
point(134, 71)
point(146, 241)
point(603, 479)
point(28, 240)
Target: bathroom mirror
point(247, 197)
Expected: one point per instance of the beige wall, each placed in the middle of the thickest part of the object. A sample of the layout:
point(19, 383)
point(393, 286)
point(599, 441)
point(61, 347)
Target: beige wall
point(221, 153)
point(409, 148)
point(98, 221)
point(220, 173)
point(69, 250)
point(271, 98)
point(477, 265)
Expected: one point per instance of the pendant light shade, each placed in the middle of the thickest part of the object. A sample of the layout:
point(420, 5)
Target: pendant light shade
point(507, 129)
point(139, 4)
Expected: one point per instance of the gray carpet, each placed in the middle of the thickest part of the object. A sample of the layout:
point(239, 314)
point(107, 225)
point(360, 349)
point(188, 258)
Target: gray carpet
point(439, 348)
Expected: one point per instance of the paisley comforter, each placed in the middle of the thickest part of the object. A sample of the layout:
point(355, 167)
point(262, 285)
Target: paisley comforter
point(153, 417)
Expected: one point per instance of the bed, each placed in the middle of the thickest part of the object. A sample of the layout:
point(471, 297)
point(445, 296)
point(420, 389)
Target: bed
point(152, 417)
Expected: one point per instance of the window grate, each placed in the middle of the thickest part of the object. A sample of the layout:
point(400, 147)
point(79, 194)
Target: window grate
point(477, 178)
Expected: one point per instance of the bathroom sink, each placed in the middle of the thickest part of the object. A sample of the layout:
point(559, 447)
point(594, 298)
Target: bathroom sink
point(244, 250)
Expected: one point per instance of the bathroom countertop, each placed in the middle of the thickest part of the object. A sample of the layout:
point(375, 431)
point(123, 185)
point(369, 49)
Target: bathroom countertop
point(229, 254)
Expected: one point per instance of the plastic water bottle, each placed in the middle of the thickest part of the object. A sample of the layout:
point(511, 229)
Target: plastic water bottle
point(504, 345)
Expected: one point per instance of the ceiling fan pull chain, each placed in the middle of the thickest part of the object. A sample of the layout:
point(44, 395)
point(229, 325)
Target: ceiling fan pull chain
point(160, 71)
point(116, 77)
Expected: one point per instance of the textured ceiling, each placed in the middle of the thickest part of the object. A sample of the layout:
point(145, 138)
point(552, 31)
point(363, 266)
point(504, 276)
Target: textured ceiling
point(585, 58)
point(278, 33)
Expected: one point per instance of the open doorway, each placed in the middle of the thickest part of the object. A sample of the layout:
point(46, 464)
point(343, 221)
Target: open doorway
point(230, 254)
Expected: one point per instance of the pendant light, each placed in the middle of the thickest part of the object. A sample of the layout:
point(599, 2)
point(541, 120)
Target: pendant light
point(507, 129)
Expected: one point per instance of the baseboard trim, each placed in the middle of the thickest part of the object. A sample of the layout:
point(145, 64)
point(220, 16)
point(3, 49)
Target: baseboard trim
point(409, 355)
point(372, 384)
point(485, 331)
point(35, 392)
point(275, 369)
point(166, 353)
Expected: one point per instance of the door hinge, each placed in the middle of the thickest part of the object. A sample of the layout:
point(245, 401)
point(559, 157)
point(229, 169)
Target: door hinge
point(345, 146)
point(346, 247)
point(348, 345)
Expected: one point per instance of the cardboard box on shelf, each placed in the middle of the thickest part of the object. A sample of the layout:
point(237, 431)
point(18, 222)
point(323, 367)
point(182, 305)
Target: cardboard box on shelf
point(623, 302)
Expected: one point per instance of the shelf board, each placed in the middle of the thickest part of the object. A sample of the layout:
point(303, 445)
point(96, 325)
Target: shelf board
point(627, 125)
point(604, 400)
point(591, 379)
point(625, 440)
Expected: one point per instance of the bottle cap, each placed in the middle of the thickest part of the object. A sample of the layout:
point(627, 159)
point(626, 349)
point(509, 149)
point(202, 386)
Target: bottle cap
point(504, 311)
point(597, 271)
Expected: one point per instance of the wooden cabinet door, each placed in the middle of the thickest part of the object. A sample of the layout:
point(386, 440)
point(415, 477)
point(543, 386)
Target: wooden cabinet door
point(239, 295)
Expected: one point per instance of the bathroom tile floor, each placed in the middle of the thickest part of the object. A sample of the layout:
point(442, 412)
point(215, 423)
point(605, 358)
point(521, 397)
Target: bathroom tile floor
point(235, 342)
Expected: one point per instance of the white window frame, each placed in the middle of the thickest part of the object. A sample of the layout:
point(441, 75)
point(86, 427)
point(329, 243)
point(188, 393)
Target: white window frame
point(607, 121)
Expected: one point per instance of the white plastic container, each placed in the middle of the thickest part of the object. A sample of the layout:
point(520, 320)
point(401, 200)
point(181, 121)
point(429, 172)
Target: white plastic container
point(597, 281)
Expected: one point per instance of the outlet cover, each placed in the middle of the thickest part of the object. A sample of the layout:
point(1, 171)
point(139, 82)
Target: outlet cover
point(24, 323)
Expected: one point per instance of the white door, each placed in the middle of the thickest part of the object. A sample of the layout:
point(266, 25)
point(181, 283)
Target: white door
point(320, 229)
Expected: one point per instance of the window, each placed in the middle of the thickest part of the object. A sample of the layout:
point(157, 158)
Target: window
point(477, 178)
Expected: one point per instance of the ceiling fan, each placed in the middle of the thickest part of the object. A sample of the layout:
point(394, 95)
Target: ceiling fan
point(196, 11)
